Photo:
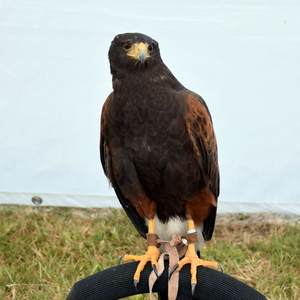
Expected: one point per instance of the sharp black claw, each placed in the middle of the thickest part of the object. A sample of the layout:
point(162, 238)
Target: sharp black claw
point(193, 288)
point(135, 282)
point(173, 270)
point(121, 259)
point(155, 270)
point(221, 268)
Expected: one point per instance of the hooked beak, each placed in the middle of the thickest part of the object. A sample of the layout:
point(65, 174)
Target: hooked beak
point(140, 52)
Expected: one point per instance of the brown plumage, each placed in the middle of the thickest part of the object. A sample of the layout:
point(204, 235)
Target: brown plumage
point(158, 146)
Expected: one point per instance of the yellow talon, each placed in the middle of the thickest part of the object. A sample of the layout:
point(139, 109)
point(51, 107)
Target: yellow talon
point(192, 258)
point(151, 255)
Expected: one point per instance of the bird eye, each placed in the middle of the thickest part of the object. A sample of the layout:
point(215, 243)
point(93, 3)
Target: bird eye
point(150, 48)
point(127, 46)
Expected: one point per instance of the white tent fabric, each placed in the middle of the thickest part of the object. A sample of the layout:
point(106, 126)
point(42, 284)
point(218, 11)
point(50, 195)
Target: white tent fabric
point(242, 57)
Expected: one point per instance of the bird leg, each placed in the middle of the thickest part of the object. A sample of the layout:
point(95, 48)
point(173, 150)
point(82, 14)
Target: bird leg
point(192, 258)
point(151, 255)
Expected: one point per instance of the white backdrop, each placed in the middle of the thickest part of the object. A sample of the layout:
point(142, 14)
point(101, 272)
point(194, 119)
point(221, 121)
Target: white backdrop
point(242, 57)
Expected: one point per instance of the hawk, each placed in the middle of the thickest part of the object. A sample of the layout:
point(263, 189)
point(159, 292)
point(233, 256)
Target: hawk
point(159, 151)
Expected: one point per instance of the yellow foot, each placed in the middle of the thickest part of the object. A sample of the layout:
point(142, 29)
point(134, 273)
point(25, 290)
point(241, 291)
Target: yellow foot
point(151, 255)
point(192, 258)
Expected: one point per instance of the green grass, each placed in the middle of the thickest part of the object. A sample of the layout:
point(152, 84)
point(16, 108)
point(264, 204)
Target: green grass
point(45, 250)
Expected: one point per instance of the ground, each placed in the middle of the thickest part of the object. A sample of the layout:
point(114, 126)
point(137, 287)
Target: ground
point(45, 250)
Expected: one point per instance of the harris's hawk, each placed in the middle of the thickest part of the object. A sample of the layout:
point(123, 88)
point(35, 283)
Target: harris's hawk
point(159, 151)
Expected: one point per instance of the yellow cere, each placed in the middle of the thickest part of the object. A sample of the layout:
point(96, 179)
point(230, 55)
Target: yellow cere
point(139, 50)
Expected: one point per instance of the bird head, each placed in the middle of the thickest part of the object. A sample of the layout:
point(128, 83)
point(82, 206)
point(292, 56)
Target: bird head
point(133, 51)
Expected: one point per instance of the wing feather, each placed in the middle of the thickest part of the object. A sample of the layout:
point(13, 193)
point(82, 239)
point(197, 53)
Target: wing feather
point(201, 132)
point(105, 157)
